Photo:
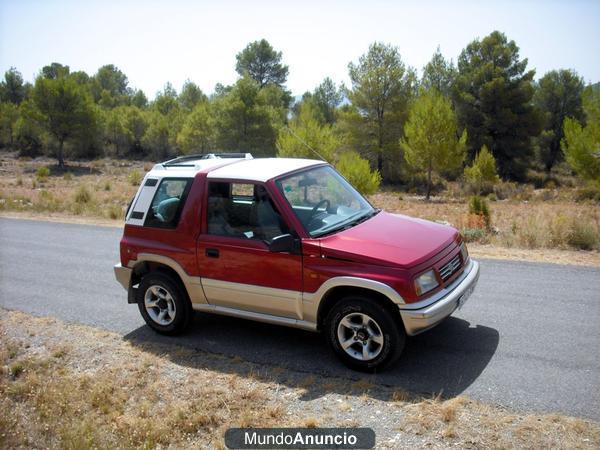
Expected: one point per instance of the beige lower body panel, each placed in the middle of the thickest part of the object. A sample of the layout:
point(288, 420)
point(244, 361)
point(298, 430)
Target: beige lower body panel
point(259, 317)
point(263, 300)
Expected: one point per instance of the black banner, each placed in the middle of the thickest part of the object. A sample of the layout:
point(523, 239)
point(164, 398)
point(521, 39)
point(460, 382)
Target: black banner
point(305, 438)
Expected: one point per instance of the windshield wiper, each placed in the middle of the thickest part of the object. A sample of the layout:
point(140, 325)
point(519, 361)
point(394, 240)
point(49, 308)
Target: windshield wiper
point(349, 224)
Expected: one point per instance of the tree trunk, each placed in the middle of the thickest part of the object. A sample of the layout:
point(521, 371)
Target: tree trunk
point(428, 184)
point(61, 161)
point(548, 165)
point(380, 142)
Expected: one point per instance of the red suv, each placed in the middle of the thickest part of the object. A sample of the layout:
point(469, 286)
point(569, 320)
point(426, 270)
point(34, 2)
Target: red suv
point(288, 242)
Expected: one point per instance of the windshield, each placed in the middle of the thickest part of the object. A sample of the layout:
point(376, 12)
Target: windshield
point(323, 201)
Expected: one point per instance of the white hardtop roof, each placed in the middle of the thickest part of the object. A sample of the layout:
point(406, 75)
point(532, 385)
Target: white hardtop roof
point(261, 169)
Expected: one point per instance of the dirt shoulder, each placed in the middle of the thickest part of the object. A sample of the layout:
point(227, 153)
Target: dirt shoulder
point(62, 218)
point(573, 257)
point(543, 255)
point(75, 386)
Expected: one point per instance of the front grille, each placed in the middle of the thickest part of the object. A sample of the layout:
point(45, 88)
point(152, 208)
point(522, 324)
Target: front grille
point(450, 267)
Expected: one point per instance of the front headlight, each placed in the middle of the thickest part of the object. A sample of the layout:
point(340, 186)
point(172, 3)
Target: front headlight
point(426, 282)
point(464, 252)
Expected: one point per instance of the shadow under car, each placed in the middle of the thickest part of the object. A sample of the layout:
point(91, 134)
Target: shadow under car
point(443, 361)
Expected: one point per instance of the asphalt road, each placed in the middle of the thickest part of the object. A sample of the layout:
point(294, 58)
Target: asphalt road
point(528, 338)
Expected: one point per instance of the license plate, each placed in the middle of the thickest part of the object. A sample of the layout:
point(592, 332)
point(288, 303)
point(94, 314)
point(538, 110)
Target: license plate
point(463, 298)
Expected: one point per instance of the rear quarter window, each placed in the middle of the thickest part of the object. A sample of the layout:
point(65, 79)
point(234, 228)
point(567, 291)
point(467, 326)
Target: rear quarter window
point(168, 202)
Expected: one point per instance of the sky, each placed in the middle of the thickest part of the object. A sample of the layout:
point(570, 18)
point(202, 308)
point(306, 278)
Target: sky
point(153, 42)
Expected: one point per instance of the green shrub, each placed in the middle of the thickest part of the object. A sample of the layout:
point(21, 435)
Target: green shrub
point(83, 195)
point(16, 369)
point(28, 137)
point(478, 206)
point(78, 208)
point(560, 228)
point(42, 174)
point(581, 143)
point(115, 212)
point(543, 180)
point(482, 174)
point(68, 176)
point(472, 234)
point(506, 189)
point(416, 183)
point(583, 236)
point(107, 186)
point(358, 172)
point(537, 179)
point(47, 202)
point(531, 235)
point(589, 192)
point(135, 177)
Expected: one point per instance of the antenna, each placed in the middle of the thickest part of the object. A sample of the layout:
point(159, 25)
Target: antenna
point(303, 142)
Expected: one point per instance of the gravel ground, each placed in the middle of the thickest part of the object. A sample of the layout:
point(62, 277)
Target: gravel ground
point(279, 396)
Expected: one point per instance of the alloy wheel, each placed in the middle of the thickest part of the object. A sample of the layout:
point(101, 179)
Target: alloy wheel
point(360, 336)
point(160, 305)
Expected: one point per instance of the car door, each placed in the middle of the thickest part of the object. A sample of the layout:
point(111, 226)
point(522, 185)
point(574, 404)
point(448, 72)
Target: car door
point(238, 271)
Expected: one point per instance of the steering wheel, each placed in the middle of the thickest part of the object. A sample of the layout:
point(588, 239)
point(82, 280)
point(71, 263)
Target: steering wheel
point(316, 207)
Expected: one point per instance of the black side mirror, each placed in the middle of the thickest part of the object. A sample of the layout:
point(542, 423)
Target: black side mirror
point(283, 243)
point(307, 181)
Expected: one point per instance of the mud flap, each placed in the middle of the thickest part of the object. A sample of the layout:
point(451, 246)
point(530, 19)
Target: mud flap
point(132, 294)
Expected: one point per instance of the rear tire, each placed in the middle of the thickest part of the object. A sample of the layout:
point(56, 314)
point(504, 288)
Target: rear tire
point(364, 334)
point(163, 304)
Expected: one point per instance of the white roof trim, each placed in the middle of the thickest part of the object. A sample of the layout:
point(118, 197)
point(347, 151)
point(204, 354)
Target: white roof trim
point(189, 169)
point(261, 169)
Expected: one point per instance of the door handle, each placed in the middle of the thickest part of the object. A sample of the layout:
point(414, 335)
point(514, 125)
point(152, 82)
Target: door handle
point(212, 252)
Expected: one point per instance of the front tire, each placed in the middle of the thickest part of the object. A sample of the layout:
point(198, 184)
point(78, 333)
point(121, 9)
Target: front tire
point(364, 334)
point(163, 304)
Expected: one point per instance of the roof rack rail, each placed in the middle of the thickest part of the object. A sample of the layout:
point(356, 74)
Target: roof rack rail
point(227, 155)
point(182, 159)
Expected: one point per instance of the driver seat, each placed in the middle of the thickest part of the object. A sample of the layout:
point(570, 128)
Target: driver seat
point(264, 217)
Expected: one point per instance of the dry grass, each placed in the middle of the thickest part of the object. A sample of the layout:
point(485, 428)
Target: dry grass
point(537, 223)
point(98, 189)
point(71, 386)
point(496, 427)
point(400, 395)
point(58, 401)
point(363, 385)
point(311, 422)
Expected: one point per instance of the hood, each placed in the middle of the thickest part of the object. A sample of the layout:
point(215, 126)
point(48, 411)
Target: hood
point(389, 240)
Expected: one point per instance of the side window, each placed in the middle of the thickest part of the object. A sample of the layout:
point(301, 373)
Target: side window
point(168, 202)
point(243, 210)
point(241, 190)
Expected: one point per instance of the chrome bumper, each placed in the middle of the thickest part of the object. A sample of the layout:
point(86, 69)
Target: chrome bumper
point(426, 314)
point(123, 275)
